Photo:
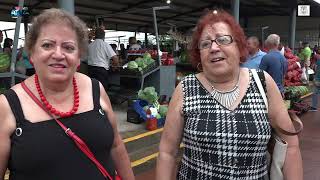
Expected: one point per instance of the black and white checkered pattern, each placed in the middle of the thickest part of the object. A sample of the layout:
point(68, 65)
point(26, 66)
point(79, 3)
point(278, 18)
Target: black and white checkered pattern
point(223, 144)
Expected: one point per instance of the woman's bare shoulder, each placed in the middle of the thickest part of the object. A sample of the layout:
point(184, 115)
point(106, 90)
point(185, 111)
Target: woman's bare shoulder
point(83, 80)
point(7, 120)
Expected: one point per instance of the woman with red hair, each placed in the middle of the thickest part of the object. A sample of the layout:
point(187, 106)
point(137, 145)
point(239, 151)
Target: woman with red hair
point(221, 114)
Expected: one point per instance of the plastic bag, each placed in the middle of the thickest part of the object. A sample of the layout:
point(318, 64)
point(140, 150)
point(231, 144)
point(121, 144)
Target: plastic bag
point(304, 75)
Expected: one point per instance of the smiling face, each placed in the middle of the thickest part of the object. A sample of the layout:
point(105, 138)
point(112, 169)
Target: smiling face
point(219, 60)
point(56, 53)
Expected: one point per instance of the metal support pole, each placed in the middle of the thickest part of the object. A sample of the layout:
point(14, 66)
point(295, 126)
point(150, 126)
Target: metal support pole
point(262, 38)
point(262, 35)
point(156, 28)
point(292, 29)
point(15, 45)
point(25, 22)
point(97, 21)
point(235, 8)
point(319, 35)
point(146, 39)
point(157, 35)
point(67, 5)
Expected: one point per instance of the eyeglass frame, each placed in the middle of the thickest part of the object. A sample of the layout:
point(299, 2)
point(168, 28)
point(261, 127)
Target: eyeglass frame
point(215, 40)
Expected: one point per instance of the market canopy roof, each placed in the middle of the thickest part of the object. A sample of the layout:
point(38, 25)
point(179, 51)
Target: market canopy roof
point(137, 15)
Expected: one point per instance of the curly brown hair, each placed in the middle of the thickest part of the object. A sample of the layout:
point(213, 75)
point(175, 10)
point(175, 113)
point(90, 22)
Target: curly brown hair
point(212, 17)
point(54, 15)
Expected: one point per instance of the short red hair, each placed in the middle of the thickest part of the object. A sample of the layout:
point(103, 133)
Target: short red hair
point(210, 18)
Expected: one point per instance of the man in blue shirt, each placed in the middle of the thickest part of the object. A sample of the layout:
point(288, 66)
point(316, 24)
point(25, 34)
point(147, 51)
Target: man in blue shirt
point(255, 54)
point(274, 62)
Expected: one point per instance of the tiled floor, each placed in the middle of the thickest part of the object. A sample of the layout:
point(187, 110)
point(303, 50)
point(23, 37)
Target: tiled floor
point(310, 145)
point(121, 113)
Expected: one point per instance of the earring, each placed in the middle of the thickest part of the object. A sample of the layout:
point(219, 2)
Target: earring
point(30, 61)
point(200, 70)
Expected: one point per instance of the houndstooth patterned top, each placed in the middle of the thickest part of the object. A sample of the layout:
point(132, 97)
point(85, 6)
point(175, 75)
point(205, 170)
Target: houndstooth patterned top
point(223, 144)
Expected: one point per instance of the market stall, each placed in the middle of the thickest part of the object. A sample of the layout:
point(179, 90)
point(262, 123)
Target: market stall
point(295, 91)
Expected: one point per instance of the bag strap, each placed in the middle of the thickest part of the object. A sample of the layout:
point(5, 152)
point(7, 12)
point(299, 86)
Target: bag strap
point(294, 118)
point(76, 139)
point(260, 87)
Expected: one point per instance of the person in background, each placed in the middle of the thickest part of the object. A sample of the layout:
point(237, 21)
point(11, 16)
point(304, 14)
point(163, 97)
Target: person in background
point(281, 49)
point(305, 56)
point(140, 43)
point(274, 63)
point(114, 47)
point(33, 145)
point(7, 46)
point(115, 64)
point(1, 39)
point(255, 54)
point(123, 52)
point(315, 49)
point(133, 45)
point(99, 55)
point(23, 56)
point(316, 79)
point(224, 134)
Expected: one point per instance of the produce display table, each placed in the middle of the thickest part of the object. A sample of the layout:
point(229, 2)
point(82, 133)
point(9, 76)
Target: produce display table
point(8, 79)
point(294, 96)
point(140, 77)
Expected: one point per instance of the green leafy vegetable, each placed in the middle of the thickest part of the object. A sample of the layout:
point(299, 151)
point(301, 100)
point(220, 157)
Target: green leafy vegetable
point(163, 109)
point(132, 65)
point(149, 94)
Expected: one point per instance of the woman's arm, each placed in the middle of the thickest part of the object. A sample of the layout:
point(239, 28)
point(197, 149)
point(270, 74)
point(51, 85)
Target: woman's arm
point(118, 152)
point(7, 126)
point(279, 116)
point(171, 138)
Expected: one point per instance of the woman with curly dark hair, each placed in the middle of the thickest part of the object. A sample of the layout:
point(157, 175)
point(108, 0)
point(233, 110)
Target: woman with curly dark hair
point(7, 46)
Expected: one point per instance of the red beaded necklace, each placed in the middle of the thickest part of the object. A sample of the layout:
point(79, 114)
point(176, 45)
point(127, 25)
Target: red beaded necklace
point(52, 109)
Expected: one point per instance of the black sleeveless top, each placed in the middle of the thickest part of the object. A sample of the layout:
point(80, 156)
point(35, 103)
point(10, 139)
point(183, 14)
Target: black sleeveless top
point(45, 152)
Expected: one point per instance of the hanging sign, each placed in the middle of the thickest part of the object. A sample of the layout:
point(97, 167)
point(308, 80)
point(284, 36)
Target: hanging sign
point(17, 11)
point(303, 10)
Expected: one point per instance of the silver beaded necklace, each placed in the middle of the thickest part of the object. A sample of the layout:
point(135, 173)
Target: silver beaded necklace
point(226, 98)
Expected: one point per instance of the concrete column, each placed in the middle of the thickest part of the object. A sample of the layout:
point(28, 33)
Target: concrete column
point(292, 29)
point(67, 5)
point(235, 5)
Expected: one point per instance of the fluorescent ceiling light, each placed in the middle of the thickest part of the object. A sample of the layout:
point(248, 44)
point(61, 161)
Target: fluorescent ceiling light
point(317, 1)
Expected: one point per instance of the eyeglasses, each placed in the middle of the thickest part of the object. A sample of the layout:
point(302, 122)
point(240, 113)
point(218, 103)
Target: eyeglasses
point(221, 40)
